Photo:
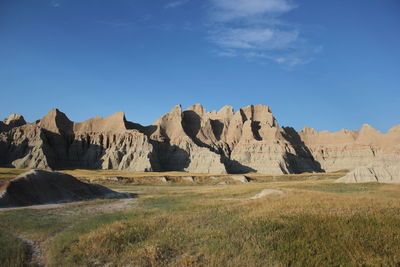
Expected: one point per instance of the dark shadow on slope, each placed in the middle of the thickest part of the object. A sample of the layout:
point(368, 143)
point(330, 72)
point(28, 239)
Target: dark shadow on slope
point(255, 128)
point(218, 128)
point(170, 157)
point(303, 161)
point(10, 152)
point(191, 123)
point(235, 167)
point(38, 187)
point(134, 126)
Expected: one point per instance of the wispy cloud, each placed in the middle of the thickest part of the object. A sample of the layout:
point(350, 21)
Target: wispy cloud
point(254, 38)
point(176, 3)
point(226, 10)
point(55, 3)
point(254, 29)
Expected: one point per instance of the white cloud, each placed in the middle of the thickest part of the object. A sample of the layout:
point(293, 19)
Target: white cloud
point(176, 3)
point(232, 9)
point(262, 38)
point(253, 29)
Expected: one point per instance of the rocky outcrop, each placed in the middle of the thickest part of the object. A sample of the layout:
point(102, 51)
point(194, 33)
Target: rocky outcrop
point(44, 187)
point(178, 151)
point(383, 170)
point(350, 149)
point(24, 147)
point(56, 142)
point(14, 120)
point(248, 140)
point(193, 140)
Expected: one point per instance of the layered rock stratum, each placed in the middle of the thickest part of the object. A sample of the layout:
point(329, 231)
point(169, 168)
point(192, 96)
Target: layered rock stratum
point(194, 140)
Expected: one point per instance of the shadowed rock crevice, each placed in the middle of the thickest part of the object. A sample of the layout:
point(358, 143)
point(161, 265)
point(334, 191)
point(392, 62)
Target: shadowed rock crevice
point(218, 128)
point(191, 123)
point(255, 127)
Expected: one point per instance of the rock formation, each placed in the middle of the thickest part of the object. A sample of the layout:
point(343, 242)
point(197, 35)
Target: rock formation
point(14, 120)
point(56, 142)
point(45, 187)
point(383, 170)
point(247, 140)
point(350, 149)
point(177, 150)
point(193, 140)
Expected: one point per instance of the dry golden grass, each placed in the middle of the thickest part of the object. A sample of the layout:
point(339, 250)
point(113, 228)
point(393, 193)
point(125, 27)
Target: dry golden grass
point(7, 174)
point(314, 223)
point(220, 226)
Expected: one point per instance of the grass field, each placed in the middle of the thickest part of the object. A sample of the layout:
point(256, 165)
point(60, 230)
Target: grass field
point(313, 222)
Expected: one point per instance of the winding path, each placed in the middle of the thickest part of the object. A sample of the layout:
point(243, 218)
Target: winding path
point(35, 251)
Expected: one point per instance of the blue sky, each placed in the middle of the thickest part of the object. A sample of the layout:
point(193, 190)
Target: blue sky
point(324, 64)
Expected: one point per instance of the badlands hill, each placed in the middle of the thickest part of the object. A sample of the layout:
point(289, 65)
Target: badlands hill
point(45, 187)
point(225, 141)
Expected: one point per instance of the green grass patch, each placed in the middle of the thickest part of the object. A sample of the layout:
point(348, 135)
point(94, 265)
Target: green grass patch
point(12, 250)
point(60, 246)
point(34, 223)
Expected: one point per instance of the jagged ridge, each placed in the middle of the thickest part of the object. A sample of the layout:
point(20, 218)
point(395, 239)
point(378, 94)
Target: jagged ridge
point(248, 140)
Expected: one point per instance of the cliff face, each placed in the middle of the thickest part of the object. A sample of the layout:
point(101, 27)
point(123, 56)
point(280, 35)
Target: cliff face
point(194, 140)
point(56, 142)
point(350, 149)
point(178, 151)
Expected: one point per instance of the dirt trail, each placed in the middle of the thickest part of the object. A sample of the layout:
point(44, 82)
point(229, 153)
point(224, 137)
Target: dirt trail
point(115, 205)
point(267, 192)
point(35, 250)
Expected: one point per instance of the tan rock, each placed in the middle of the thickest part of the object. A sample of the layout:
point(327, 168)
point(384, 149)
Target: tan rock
point(194, 140)
point(350, 149)
point(24, 147)
point(113, 123)
point(14, 120)
point(178, 151)
point(56, 122)
point(239, 178)
point(187, 178)
point(383, 170)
